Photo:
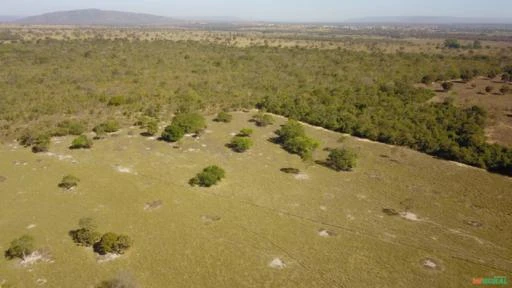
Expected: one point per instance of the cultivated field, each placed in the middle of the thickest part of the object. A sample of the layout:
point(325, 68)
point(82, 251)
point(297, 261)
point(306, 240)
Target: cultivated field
point(259, 227)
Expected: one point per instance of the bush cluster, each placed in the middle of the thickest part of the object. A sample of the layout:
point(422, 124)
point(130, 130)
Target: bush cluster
point(20, 247)
point(208, 177)
point(182, 124)
point(86, 235)
point(341, 159)
point(293, 139)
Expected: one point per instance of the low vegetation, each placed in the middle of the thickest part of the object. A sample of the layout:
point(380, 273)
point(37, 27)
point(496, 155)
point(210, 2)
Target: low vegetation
point(293, 139)
point(223, 117)
point(341, 159)
point(182, 124)
point(263, 119)
point(69, 127)
point(210, 176)
point(245, 132)
point(240, 143)
point(81, 142)
point(68, 182)
point(20, 247)
point(112, 243)
point(86, 235)
point(110, 126)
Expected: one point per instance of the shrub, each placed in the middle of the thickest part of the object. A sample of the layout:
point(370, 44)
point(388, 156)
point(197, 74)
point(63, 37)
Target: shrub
point(240, 144)
point(223, 117)
point(489, 89)
point(293, 139)
point(172, 133)
point(20, 247)
point(245, 132)
point(69, 127)
point(112, 243)
point(208, 177)
point(447, 86)
point(117, 101)
point(68, 182)
point(452, 43)
point(41, 143)
point(109, 126)
point(152, 127)
point(427, 79)
point(189, 122)
point(262, 119)
point(505, 89)
point(290, 170)
point(81, 142)
point(182, 124)
point(341, 160)
point(86, 235)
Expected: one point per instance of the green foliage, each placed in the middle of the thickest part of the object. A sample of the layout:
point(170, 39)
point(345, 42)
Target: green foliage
point(263, 119)
point(182, 124)
point(341, 159)
point(208, 177)
point(293, 139)
point(447, 86)
point(20, 247)
point(41, 143)
point(452, 43)
point(173, 133)
point(81, 142)
point(110, 126)
point(69, 127)
point(117, 101)
point(112, 243)
point(68, 182)
point(86, 235)
point(240, 144)
point(245, 132)
point(152, 127)
point(223, 117)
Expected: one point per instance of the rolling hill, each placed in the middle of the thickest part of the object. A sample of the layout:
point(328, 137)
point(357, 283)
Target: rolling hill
point(97, 17)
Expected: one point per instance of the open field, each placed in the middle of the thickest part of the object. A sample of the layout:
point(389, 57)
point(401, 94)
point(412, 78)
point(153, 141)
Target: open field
point(497, 105)
point(327, 228)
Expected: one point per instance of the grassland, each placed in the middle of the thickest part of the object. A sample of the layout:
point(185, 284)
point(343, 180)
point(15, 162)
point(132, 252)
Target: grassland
point(227, 235)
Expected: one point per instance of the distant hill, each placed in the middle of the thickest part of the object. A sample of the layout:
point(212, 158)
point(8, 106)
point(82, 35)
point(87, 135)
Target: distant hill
point(431, 20)
point(97, 17)
point(9, 18)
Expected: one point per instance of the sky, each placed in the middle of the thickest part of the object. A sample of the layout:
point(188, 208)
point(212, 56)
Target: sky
point(273, 10)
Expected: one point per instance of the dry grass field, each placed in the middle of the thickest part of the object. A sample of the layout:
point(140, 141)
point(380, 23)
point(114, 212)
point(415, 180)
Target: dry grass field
point(259, 227)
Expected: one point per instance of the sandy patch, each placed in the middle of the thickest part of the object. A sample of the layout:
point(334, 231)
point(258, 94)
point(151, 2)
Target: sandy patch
point(61, 157)
point(153, 205)
point(36, 257)
point(409, 216)
point(277, 263)
point(208, 219)
point(125, 170)
point(41, 281)
point(31, 226)
point(326, 233)
point(302, 176)
point(107, 258)
point(430, 264)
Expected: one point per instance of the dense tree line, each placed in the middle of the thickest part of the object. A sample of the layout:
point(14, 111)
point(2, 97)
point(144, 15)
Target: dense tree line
point(368, 94)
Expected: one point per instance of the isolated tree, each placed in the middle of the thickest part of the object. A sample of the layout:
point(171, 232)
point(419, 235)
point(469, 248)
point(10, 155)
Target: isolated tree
point(68, 182)
point(240, 144)
point(112, 243)
point(173, 133)
point(20, 247)
point(341, 159)
point(208, 177)
point(262, 119)
point(152, 127)
point(81, 142)
point(223, 117)
point(447, 86)
point(452, 43)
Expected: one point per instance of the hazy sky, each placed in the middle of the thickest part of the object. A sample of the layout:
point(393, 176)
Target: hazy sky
point(292, 10)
